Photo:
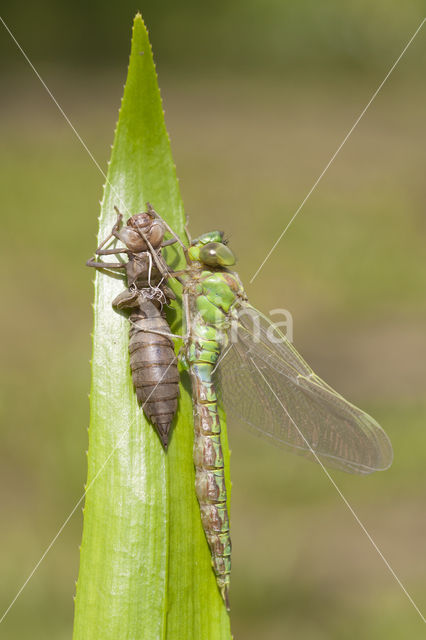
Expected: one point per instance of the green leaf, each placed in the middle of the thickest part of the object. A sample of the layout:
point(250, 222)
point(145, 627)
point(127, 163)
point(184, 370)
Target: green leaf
point(145, 568)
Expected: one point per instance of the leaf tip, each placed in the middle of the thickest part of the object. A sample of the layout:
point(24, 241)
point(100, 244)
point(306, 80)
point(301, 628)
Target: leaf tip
point(138, 22)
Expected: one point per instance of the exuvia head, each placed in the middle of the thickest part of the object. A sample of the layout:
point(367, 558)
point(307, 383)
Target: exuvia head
point(211, 250)
point(140, 225)
point(141, 221)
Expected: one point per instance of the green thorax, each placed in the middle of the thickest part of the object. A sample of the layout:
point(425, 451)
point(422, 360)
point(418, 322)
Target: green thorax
point(214, 293)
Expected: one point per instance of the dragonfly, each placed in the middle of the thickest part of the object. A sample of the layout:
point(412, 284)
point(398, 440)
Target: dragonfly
point(237, 356)
point(152, 357)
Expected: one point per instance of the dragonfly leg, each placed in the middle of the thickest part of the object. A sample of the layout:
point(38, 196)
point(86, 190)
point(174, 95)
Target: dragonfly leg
point(174, 336)
point(104, 252)
point(188, 235)
point(109, 252)
point(114, 231)
point(160, 263)
point(177, 275)
point(167, 243)
point(105, 265)
point(117, 226)
point(187, 316)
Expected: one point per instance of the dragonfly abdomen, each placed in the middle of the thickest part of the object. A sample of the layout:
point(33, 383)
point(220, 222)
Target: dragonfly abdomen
point(209, 465)
point(154, 367)
point(216, 293)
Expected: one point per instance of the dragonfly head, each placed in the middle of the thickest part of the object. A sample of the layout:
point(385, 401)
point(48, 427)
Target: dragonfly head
point(211, 250)
point(142, 224)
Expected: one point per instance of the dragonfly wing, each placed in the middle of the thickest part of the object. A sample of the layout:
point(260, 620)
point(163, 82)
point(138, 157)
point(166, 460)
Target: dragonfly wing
point(265, 383)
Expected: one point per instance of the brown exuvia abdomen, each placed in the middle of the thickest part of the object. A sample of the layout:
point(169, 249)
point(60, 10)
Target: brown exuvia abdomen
point(154, 367)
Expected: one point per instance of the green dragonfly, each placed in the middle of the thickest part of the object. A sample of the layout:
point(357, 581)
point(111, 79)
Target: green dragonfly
point(235, 353)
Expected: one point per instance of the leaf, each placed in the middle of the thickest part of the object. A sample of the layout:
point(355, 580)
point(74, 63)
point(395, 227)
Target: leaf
point(145, 568)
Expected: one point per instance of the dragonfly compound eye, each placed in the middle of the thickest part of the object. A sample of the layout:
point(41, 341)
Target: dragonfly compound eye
point(156, 234)
point(216, 254)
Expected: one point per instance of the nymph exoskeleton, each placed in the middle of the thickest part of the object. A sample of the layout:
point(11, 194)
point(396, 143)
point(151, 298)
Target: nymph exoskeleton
point(152, 358)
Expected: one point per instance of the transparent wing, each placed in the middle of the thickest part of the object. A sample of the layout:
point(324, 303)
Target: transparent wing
point(266, 384)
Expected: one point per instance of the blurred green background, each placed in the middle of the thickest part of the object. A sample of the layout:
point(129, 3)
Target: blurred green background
point(258, 96)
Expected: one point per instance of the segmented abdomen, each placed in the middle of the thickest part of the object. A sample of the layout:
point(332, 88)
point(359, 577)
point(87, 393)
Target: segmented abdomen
point(154, 367)
point(209, 464)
